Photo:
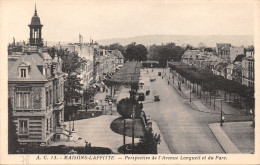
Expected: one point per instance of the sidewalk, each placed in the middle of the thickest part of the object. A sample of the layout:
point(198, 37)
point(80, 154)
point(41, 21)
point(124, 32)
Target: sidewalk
point(96, 131)
point(235, 137)
point(162, 147)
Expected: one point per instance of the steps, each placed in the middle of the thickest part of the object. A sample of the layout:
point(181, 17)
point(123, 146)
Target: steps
point(72, 137)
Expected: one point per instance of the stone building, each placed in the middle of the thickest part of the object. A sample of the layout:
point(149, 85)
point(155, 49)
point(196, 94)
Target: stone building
point(223, 51)
point(36, 90)
point(248, 71)
point(235, 51)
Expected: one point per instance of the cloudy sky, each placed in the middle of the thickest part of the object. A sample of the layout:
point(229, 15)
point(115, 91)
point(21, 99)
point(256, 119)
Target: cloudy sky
point(63, 20)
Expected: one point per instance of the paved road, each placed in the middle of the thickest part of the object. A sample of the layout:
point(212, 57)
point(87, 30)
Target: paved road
point(185, 131)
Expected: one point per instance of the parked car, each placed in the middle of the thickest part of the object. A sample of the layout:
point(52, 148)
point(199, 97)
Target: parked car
point(153, 79)
point(108, 97)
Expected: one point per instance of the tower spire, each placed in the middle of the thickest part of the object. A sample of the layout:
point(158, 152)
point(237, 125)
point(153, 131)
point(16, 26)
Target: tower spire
point(35, 10)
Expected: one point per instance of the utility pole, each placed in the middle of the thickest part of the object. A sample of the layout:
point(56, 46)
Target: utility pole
point(190, 92)
point(124, 138)
point(133, 130)
point(221, 116)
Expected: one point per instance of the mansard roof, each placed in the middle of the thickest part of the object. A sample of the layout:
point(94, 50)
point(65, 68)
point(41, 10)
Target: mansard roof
point(33, 62)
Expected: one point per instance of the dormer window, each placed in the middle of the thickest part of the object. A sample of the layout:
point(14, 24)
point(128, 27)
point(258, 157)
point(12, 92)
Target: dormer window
point(23, 72)
point(23, 69)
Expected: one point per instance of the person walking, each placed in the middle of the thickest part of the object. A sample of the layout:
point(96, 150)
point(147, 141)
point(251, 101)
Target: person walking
point(168, 82)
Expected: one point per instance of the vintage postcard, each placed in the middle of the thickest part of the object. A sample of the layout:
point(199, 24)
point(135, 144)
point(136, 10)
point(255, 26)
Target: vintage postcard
point(129, 82)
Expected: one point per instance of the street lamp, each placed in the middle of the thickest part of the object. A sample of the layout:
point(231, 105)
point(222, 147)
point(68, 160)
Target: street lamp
point(133, 129)
point(190, 92)
point(124, 138)
point(222, 118)
point(253, 117)
point(73, 123)
point(110, 106)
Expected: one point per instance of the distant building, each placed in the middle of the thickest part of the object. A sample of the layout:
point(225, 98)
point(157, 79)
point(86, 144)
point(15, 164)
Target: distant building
point(36, 90)
point(248, 71)
point(189, 56)
point(223, 51)
point(220, 69)
point(229, 70)
point(235, 51)
point(237, 72)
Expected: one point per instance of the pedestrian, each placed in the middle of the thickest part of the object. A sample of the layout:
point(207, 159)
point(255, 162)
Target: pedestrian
point(168, 82)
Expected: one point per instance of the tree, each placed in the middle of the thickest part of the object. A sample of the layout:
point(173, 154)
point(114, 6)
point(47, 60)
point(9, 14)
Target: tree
point(189, 47)
point(115, 46)
point(148, 143)
point(88, 94)
point(201, 46)
point(13, 144)
point(208, 49)
point(126, 106)
point(136, 52)
point(71, 64)
point(72, 87)
point(164, 53)
point(239, 58)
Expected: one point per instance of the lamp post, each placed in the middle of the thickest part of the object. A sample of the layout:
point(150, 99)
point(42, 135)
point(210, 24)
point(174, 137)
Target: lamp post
point(190, 92)
point(70, 125)
point(133, 129)
point(253, 117)
point(124, 137)
point(222, 118)
point(110, 106)
point(73, 123)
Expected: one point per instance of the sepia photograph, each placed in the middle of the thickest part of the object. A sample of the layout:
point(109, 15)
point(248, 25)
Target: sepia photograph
point(120, 81)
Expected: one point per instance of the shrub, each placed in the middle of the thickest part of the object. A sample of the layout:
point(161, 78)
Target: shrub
point(125, 107)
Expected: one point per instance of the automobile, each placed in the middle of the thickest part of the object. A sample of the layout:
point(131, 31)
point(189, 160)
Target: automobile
point(152, 79)
point(156, 97)
point(108, 97)
point(147, 92)
point(141, 97)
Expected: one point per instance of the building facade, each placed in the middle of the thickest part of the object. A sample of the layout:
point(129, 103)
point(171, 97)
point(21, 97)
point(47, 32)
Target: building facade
point(223, 51)
point(248, 73)
point(235, 51)
point(36, 90)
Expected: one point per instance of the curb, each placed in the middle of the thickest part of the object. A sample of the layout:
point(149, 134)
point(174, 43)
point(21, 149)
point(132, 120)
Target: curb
point(227, 145)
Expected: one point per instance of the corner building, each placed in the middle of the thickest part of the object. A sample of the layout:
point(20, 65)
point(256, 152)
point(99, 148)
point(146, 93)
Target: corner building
point(36, 90)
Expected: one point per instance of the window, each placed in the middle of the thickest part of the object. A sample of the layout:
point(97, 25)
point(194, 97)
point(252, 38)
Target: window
point(47, 124)
point(23, 127)
point(47, 98)
point(51, 97)
point(51, 123)
point(23, 72)
point(23, 98)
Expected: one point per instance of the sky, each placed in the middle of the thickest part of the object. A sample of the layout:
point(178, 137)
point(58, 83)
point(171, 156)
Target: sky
point(64, 20)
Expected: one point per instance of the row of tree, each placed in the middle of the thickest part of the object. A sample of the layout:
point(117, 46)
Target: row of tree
point(211, 82)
